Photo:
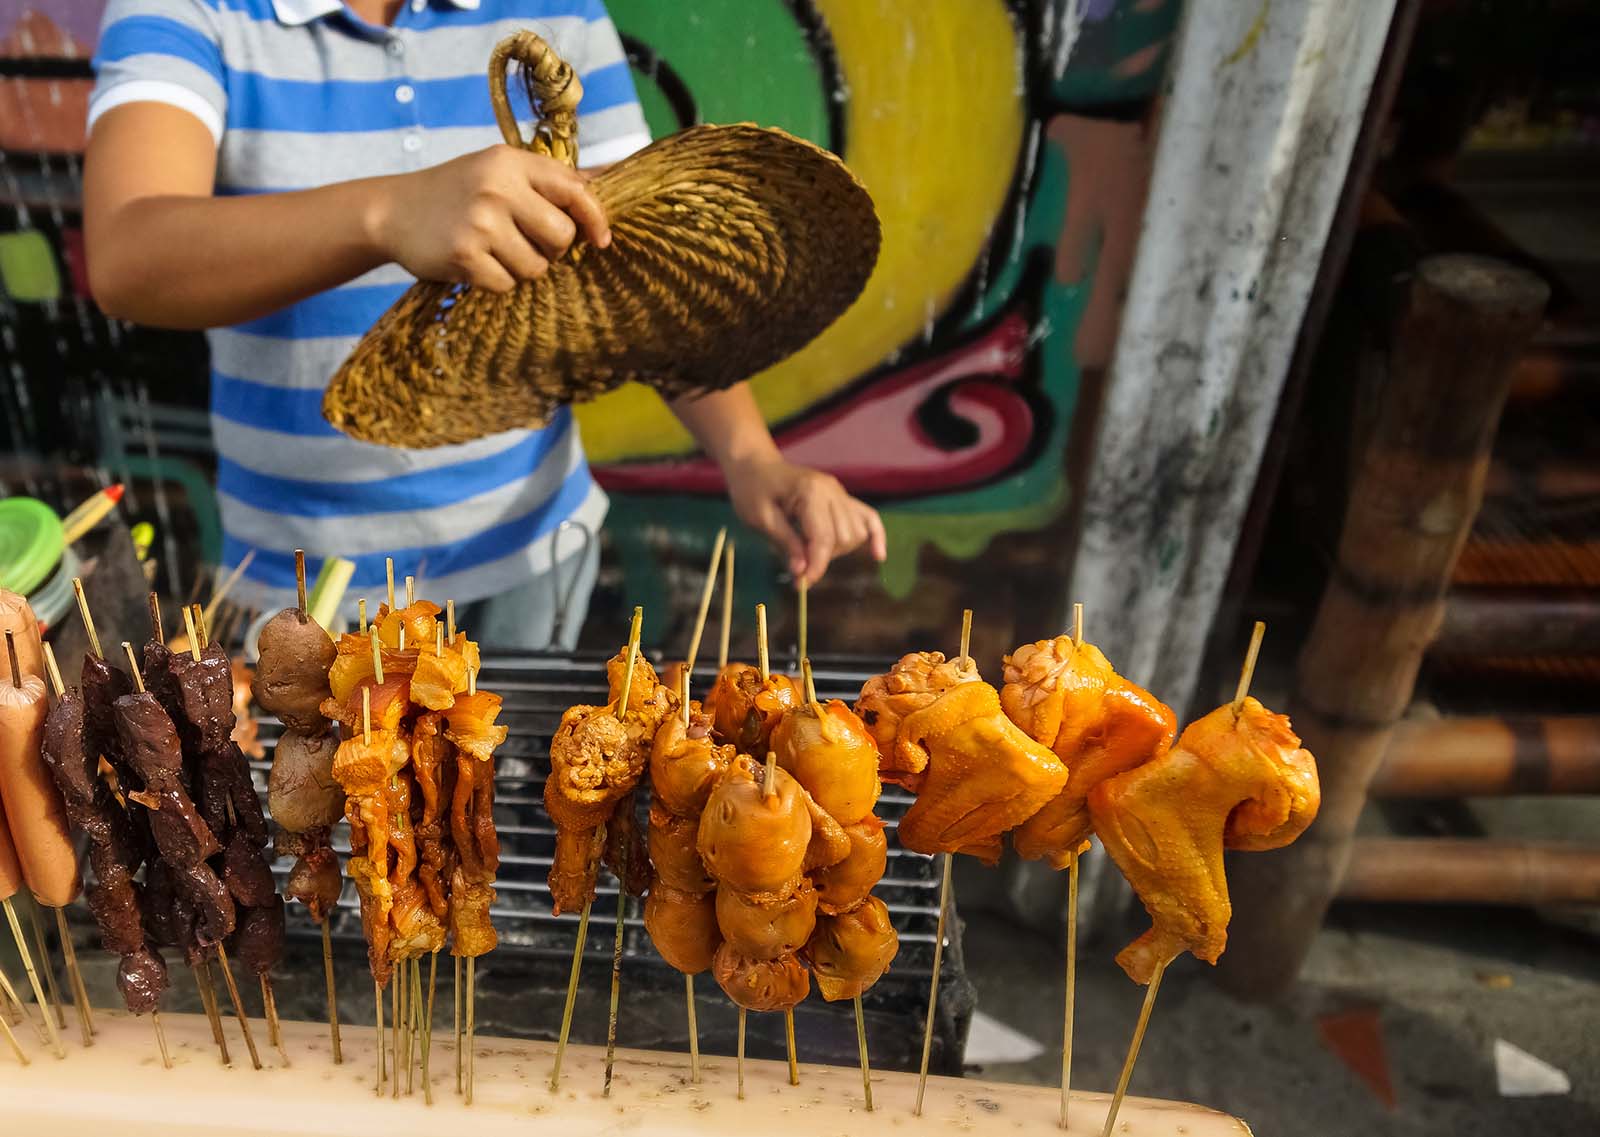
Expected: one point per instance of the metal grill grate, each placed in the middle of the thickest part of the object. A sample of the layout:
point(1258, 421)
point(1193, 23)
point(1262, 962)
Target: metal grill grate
point(537, 689)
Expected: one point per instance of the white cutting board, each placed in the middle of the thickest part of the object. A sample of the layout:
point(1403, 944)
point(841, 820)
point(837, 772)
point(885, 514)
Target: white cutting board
point(118, 1088)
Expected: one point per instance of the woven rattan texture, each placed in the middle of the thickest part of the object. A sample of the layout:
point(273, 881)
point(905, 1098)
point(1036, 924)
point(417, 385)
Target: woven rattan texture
point(732, 248)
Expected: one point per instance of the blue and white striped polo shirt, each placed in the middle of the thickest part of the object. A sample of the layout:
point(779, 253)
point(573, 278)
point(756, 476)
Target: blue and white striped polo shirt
point(303, 93)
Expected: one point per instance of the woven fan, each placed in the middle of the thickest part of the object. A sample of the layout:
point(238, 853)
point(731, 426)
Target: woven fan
point(732, 248)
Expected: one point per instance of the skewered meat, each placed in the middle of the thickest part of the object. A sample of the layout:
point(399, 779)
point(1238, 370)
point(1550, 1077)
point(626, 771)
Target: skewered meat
point(674, 852)
point(685, 763)
point(115, 853)
point(752, 841)
point(151, 747)
point(842, 886)
point(1232, 781)
point(1066, 696)
point(438, 679)
point(761, 985)
point(850, 952)
point(767, 931)
point(205, 698)
point(361, 766)
point(745, 710)
point(314, 880)
point(103, 685)
point(353, 667)
point(625, 853)
point(142, 977)
point(477, 846)
point(914, 682)
point(169, 918)
point(683, 926)
point(259, 941)
point(228, 797)
point(829, 843)
point(373, 888)
point(976, 775)
point(829, 752)
point(431, 765)
point(471, 932)
point(596, 760)
point(292, 678)
point(32, 802)
point(246, 874)
point(648, 698)
point(417, 930)
point(302, 791)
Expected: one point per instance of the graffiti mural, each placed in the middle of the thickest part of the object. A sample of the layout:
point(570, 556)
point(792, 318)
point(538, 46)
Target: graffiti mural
point(1006, 144)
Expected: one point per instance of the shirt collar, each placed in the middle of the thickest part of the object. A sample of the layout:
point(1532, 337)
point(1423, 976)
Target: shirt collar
point(296, 12)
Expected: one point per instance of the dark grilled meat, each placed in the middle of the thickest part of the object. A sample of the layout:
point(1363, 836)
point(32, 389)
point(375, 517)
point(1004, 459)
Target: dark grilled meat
point(259, 941)
point(626, 855)
point(315, 880)
point(151, 747)
point(292, 677)
point(205, 696)
point(245, 872)
point(142, 978)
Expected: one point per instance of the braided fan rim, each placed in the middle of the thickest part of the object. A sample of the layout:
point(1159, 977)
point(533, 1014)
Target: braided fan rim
point(733, 248)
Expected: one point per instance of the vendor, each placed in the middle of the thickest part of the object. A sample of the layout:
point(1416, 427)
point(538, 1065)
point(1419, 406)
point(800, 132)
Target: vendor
point(278, 172)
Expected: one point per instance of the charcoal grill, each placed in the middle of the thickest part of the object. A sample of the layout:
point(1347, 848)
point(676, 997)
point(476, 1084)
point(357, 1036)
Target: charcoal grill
point(522, 984)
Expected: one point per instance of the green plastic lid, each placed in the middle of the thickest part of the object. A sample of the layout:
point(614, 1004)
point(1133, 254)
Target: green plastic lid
point(31, 541)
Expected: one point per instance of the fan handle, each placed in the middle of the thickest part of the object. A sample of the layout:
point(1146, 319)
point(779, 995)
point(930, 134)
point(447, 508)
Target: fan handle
point(553, 91)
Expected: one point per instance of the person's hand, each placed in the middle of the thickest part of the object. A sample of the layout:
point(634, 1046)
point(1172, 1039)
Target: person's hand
point(805, 512)
point(490, 219)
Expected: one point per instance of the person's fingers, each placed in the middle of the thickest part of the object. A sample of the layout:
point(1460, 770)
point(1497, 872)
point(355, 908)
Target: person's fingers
point(848, 528)
point(543, 224)
point(772, 521)
point(816, 522)
point(483, 271)
point(877, 538)
point(567, 190)
point(516, 255)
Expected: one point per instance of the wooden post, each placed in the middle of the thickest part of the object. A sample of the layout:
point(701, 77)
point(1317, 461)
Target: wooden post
point(1413, 499)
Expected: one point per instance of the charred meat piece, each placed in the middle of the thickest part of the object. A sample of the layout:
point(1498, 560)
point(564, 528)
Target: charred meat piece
point(215, 914)
point(245, 872)
point(103, 685)
point(259, 940)
point(141, 978)
point(315, 880)
point(205, 697)
point(114, 903)
point(292, 676)
point(151, 747)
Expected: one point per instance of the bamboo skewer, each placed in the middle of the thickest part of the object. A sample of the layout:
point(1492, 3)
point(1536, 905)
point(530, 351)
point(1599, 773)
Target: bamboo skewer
point(427, 1030)
point(388, 569)
point(694, 1030)
point(222, 590)
point(1071, 1000)
point(802, 591)
point(269, 1005)
point(727, 607)
point(761, 640)
point(33, 978)
point(964, 660)
point(622, 872)
point(396, 982)
point(472, 1023)
point(208, 1001)
point(80, 995)
point(705, 599)
point(333, 995)
point(88, 621)
point(238, 1005)
point(742, 1013)
point(377, 1036)
point(1246, 674)
point(933, 986)
point(38, 925)
point(21, 1008)
point(161, 1039)
point(16, 1047)
point(460, 1063)
point(861, 1043)
point(588, 905)
point(788, 1036)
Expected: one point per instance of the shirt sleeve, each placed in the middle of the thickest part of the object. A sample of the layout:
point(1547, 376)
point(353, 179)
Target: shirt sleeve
point(164, 51)
point(611, 122)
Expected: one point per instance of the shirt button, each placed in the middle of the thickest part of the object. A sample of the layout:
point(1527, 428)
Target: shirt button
point(396, 46)
point(404, 93)
point(412, 143)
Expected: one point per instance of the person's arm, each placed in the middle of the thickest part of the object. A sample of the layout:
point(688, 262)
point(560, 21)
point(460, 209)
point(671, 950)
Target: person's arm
point(163, 251)
point(806, 512)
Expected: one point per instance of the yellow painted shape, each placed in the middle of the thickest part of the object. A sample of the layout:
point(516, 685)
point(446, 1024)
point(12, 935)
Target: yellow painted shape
point(933, 127)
